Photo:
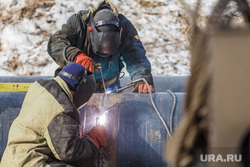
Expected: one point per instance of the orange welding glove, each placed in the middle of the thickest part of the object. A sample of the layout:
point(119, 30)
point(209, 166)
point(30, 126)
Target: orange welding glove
point(142, 88)
point(87, 62)
point(98, 135)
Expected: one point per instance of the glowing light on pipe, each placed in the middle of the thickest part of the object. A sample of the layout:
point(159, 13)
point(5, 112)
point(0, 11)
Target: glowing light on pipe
point(112, 90)
point(108, 90)
point(101, 120)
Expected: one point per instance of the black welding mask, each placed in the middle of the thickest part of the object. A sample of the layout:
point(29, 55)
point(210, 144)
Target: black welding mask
point(105, 33)
point(84, 91)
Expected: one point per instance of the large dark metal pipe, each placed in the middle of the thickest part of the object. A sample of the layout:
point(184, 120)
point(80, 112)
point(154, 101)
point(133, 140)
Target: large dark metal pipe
point(162, 83)
point(136, 136)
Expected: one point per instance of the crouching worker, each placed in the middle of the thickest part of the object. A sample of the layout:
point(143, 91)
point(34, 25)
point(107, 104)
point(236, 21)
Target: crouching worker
point(47, 132)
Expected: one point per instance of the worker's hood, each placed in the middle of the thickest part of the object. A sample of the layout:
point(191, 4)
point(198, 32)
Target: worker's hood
point(84, 91)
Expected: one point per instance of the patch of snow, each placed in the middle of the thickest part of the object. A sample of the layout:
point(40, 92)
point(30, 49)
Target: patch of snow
point(23, 39)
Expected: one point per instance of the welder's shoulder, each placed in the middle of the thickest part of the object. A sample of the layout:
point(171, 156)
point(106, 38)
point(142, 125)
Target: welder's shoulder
point(129, 30)
point(41, 88)
point(52, 88)
point(82, 13)
point(47, 84)
point(123, 20)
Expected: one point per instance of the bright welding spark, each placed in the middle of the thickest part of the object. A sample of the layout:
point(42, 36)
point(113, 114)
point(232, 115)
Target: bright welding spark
point(102, 119)
point(108, 90)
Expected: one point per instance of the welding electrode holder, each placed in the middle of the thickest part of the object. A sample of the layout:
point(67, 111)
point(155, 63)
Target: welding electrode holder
point(97, 121)
point(129, 85)
point(98, 65)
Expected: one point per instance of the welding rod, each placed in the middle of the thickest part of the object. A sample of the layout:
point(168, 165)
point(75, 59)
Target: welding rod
point(99, 66)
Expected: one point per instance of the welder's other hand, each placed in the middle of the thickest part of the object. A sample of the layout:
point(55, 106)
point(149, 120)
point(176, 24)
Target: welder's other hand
point(98, 135)
point(142, 88)
point(87, 62)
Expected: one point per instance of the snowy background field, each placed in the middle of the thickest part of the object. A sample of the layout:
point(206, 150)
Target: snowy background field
point(26, 26)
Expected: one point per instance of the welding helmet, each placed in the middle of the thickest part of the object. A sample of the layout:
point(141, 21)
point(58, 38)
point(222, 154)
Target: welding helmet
point(105, 33)
point(85, 90)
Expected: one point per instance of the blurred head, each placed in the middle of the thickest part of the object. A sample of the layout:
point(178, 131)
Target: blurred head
point(105, 33)
point(78, 81)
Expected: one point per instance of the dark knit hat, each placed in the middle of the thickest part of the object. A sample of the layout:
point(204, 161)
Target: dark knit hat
point(72, 74)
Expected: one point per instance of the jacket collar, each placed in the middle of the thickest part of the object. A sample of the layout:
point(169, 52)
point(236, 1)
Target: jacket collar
point(64, 86)
point(92, 10)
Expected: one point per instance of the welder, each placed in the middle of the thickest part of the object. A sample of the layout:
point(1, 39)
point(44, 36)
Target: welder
point(104, 36)
point(47, 132)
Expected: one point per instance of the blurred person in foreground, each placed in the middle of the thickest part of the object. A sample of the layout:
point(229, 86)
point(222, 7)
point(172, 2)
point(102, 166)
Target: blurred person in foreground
point(104, 36)
point(47, 131)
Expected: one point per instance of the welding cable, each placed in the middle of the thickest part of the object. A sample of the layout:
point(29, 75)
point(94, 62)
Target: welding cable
point(123, 74)
point(156, 110)
point(172, 111)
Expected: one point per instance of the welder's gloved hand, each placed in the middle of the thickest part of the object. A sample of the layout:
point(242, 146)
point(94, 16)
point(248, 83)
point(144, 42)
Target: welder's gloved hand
point(98, 135)
point(87, 62)
point(142, 88)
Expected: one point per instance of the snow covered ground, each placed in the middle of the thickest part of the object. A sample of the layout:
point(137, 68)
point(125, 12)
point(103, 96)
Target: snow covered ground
point(26, 26)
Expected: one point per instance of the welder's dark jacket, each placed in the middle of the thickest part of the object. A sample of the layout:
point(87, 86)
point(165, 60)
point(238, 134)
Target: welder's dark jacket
point(74, 37)
point(47, 128)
